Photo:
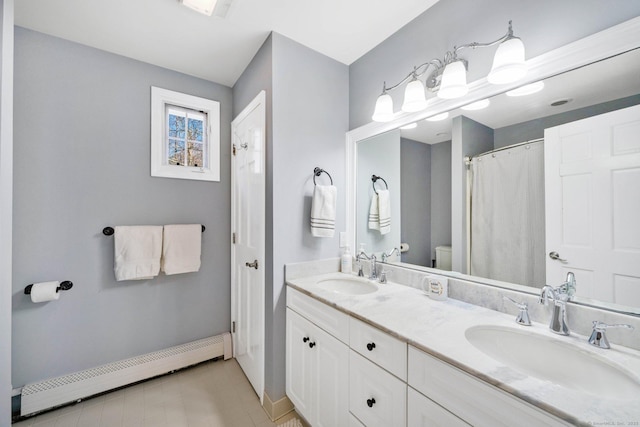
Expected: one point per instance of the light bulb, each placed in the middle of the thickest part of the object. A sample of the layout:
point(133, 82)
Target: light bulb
point(384, 109)
point(414, 97)
point(454, 81)
point(508, 62)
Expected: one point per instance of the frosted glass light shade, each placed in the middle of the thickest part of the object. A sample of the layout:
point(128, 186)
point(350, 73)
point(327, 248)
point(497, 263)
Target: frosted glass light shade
point(384, 109)
point(414, 97)
point(527, 89)
point(508, 62)
point(438, 117)
point(454, 81)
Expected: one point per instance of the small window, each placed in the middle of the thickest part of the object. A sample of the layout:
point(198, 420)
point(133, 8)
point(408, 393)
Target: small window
point(185, 136)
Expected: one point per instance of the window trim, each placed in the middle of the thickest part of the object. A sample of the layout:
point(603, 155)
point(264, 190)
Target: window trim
point(159, 166)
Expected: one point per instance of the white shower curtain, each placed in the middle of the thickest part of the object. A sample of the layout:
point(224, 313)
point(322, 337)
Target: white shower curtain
point(507, 215)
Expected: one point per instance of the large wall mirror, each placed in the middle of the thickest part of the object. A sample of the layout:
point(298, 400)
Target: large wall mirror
point(472, 194)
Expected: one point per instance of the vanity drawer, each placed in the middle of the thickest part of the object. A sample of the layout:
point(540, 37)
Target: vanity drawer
point(423, 412)
point(469, 398)
point(379, 347)
point(331, 320)
point(376, 397)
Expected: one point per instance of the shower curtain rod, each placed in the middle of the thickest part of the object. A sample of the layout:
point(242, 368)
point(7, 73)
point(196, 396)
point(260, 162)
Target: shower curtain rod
point(467, 160)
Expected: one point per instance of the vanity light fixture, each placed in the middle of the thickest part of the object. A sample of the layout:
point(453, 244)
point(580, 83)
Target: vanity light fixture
point(448, 77)
point(203, 6)
point(478, 105)
point(529, 89)
point(438, 117)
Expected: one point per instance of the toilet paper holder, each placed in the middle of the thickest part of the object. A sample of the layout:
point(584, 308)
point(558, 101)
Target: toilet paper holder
point(64, 286)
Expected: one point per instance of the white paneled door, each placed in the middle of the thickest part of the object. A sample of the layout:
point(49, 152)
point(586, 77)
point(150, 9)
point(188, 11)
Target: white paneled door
point(592, 203)
point(248, 241)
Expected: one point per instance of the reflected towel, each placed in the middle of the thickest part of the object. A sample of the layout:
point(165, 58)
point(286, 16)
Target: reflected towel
point(323, 211)
point(384, 210)
point(137, 252)
point(374, 214)
point(181, 248)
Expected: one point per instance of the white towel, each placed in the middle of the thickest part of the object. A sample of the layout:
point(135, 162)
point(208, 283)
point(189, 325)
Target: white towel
point(384, 209)
point(323, 211)
point(374, 214)
point(137, 252)
point(181, 248)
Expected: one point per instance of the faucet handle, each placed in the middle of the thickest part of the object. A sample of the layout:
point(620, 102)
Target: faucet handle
point(523, 315)
point(598, 337)
point(383, 276)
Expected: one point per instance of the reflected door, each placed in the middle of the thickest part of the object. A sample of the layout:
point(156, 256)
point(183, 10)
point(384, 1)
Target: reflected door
point(592, 203)
point(248, 241)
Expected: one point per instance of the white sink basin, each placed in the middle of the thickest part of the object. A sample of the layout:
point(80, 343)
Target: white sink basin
point(552, 360)
point(348, 286)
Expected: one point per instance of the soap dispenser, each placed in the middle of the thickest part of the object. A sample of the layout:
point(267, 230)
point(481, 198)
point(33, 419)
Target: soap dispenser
point(346, 261)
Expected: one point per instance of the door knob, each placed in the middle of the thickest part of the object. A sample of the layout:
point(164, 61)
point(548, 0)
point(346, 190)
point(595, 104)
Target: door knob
point(253, 264)
point(371, 402)
point(556, 256)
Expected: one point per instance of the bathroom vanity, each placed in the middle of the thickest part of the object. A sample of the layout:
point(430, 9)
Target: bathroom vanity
point(361, 353)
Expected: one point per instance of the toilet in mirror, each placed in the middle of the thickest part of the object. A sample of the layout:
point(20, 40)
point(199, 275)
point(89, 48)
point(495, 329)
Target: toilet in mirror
point(517, 189)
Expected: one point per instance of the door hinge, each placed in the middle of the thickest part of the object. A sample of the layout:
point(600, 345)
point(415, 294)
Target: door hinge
point(233, 238)
point(233, 327)
point(234, 149)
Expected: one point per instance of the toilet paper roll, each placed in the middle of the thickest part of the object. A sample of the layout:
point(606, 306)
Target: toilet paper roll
point(45, 291)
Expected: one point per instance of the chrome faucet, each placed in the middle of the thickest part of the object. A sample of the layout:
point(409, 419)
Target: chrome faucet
point(598, 337)
point(559, 296)
point(372, 258)
point(386, 255)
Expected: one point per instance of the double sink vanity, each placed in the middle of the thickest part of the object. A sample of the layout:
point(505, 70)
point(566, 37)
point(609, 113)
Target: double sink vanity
point(363, 353)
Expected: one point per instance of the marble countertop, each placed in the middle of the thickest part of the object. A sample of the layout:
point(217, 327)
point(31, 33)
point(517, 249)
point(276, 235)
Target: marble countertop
point(438, 328)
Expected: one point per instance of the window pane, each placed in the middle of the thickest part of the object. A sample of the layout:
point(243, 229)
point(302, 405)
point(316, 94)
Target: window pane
point(195, 130)
point(175, 155)
point(195, 154)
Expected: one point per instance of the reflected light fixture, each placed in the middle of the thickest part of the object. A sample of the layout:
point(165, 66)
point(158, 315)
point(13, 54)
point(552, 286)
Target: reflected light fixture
point(203, 6)
point(409, 126)
point(438, 117)
point(448, 77)
point(527, 89)
point(478, 105)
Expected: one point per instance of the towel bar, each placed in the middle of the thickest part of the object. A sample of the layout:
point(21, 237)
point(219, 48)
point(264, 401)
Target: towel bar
point(64, 286)
point(317, 172)
point(108, 231)
point(374, 178)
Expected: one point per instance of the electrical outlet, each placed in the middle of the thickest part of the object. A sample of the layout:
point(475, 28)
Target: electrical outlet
point(343, 239)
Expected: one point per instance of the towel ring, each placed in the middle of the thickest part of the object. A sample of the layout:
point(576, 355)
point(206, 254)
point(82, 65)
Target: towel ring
point(108, 231)
point(317, 172)
point(373, 182)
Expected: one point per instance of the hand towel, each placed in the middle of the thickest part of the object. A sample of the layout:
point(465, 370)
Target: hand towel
point(374, 214)
point(181, 248)
point(384, 210)
point(323, 211)
point(137, 252)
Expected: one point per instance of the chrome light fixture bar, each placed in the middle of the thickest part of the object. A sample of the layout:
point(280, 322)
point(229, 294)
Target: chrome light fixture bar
point(448, 76)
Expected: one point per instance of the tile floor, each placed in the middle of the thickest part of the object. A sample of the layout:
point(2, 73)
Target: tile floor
point(213, 394)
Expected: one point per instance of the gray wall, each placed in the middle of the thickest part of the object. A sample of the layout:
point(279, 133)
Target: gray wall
point(416, 183)
point(440, 196)
point(543, 25)
point(307, 117)
point(81, 163)
point(6, 184)
point(534, 129)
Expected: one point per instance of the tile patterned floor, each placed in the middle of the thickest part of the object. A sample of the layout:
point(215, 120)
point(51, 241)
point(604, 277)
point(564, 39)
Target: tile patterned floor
point(214, 394)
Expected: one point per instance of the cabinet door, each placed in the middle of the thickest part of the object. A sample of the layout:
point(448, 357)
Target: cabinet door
point(422, 412)
point(299, 363)
point(332, 381)
point(376, 397)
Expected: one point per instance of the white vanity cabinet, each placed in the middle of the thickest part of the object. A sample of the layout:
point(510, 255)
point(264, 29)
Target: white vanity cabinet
point(470, 399)
point(317, 363)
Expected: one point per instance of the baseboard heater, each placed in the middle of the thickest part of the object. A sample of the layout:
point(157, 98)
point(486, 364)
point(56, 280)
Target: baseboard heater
point(70, 388)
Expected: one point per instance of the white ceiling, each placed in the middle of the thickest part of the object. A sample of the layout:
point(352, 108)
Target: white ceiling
point(165, 33)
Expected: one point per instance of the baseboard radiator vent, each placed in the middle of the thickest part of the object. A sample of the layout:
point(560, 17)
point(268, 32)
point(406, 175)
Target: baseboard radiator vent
point(70, 388)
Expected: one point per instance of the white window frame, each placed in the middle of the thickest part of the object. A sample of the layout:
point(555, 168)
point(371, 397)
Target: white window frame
point(160, 99)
